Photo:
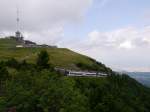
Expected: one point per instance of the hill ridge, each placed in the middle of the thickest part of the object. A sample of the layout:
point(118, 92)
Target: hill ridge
point(59, 57)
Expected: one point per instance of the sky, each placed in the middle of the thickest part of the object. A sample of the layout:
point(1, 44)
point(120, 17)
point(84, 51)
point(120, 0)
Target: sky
point(114, 32)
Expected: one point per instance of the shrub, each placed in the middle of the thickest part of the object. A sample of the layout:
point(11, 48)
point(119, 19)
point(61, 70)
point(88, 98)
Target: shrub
point(12, 63)
point(43, 59)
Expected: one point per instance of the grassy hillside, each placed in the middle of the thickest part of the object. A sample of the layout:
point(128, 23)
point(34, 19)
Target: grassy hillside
point(60, 57)
point(7, 43)
point(26, 87)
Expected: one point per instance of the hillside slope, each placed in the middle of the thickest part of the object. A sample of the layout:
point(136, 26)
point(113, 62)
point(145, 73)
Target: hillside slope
point(59, 57)
point(28, 88)
point(8, 43)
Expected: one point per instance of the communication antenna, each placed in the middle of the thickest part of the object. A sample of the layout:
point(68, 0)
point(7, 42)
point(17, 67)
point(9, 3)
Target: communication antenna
point(18, 34)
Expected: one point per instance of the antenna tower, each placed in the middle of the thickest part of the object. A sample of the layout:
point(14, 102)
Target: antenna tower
point(18, 34)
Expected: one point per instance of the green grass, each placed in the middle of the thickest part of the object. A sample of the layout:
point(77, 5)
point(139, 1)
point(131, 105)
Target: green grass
point(60, 57)
point(7, 43)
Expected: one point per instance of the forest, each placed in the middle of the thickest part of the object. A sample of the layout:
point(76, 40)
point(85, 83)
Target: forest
point(28, 87)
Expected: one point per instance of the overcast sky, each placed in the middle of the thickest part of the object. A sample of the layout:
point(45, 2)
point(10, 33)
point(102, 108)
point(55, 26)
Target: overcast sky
point(115, 32)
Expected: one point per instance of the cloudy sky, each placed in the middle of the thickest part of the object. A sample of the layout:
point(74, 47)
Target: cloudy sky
point(115, 32)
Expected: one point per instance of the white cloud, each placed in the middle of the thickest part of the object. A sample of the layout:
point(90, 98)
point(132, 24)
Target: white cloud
point(50, 36)
point(120, 49)
point(128, 38)
point(126, 45)
point(38, 16)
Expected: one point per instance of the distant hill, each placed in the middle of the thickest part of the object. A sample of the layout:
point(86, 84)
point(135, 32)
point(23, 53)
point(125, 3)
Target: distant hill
point(59, 57)
point(143, 77)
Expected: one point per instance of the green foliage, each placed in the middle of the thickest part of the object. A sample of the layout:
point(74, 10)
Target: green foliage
point(3, 77)
point(44, 92)
point(12, 63)
point(96, 66)
point(31, 90)
point(43, 59)
point(3, 74)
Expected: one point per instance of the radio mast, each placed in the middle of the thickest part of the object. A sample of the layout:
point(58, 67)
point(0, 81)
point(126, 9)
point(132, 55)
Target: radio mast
point(18, 34)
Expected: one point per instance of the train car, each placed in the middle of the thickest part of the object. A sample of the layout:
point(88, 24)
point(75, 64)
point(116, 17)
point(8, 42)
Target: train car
point(74, 73)
point(102, 75)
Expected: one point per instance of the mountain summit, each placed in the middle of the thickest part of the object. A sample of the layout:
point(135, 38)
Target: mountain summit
point(59, 57)
point(27, 87)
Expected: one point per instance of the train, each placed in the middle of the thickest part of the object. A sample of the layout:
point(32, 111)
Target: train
point(80, 73)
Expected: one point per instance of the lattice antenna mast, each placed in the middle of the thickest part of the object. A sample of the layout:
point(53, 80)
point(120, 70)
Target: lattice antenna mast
point(18, 34)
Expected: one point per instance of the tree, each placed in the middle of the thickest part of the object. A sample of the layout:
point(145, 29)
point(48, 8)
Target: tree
point(3, 73)
point(3, 77)
point(12, 63)
point(43, 59)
